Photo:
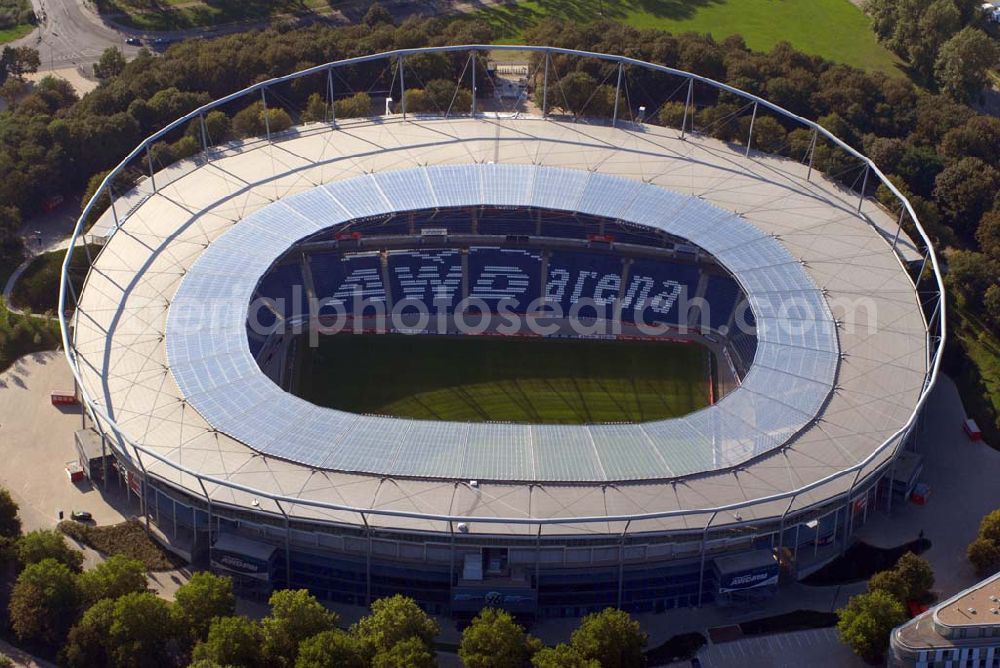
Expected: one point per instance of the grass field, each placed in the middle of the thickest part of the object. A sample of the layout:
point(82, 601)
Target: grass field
point(479, 379)
point(834, 29)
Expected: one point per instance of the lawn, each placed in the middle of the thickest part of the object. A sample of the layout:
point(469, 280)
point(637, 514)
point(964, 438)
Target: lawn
point(38, 287)
point(834, 29)
point(15, 19)
point(16, 32)
point(483, 379)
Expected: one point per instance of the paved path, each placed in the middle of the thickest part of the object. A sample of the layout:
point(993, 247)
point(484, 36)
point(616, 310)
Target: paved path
point(819, 648)
point(22, 658)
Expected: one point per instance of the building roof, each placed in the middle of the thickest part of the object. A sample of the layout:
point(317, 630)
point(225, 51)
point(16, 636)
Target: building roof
point(120, 326)
point(978, 605)
point(792, 375)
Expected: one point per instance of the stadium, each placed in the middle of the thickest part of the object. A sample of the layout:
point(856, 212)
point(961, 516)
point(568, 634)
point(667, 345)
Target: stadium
point(512, 354)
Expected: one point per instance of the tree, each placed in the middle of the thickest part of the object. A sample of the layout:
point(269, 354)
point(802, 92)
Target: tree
point(141, 630)
point(935, 26)
point(916, 574)
point(331, 648)
point(984, 555)
point(231, 641)
point(971, 274)
point(768, 135)
point(12, 91)
point(890, 582)
point(672, 114)
point(989, 526)
point(21, 60)
point(965, 190)
point(562, 656)
point(111, 63)
point(991, 301)
point(10, 523)
point(114, 577)
point(979, 138)
point(867, 620)
point(393, 620)
point(316, 109)
point(87, 643)
point(250, 122)
point(612, 638)
point(963, 62)
point(988, 234)
point(42, 544)
point(358, 105)
point(377, 15)
point(410, 652)
point(295, 616)
point(44, 602)
point(201, 599)
point(494, 640)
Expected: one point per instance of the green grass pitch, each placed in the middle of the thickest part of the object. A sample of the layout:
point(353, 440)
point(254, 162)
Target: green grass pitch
point(480, 379)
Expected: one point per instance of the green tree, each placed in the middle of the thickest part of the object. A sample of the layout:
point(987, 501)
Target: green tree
point(10, 523)
point(965, 190)
point(231, 641)
point(971, 274)
point(890, 582)
point(331, 648)
point(112, 578)
point(203, 598)
point(916, 573)
point(985, 556)
point(935, 26)
point(250, 121)
point(87, 643)
point(963, 61)
point(672, 114)
point(141, 630)
point(44, 602)
point(991, 301)
point(768, 135)
point(42, 544)
point(21, 60)
point(111, 63)
point(989, 526)
point(494, 640)
point(988, 234)
point(358, 105)
point(316, 109)
point(393, 620)
point(410, 652)
point(867, 620)
point(295, 616)
point(562, 656)
point(978, 137)
point(612, 638)
point(377, 15)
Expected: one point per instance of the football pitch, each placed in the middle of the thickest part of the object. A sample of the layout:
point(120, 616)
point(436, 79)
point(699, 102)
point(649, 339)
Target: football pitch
point(493, 379)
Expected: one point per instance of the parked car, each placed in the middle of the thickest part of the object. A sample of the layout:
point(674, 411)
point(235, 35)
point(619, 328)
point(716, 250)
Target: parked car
point(133, 41)
point(81, 516)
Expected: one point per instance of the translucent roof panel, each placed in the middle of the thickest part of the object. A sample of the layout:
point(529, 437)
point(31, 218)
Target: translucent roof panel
point(794, 369)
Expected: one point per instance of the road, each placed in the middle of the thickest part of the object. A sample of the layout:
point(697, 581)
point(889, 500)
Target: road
point(71, 35)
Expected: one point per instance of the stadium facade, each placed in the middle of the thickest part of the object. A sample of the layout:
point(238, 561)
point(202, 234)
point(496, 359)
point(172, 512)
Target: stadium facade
point(506, 201)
